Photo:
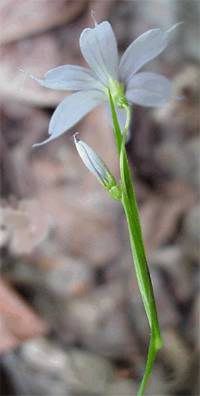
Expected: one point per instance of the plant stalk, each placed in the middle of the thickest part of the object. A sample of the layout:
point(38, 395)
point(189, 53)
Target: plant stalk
point(129, 204)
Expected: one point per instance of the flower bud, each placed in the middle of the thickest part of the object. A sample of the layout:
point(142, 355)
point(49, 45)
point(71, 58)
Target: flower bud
point(95, 164)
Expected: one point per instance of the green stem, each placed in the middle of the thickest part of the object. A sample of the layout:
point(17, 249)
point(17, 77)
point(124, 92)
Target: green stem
point(146, 289)
point(137, 245)
point(152, 351)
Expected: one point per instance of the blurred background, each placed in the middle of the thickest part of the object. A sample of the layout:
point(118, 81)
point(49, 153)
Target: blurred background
point(71, 318)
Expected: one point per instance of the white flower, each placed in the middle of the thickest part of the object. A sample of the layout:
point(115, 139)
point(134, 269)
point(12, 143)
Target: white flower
point(99, 48)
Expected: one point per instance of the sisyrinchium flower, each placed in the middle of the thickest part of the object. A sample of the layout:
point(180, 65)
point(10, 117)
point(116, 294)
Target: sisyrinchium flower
point(107, 73)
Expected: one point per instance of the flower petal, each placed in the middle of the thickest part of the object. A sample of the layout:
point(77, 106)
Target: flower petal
point(71, 110)
point(149, 89)
point(69, 77)
point(99, 48)
point(145, 48)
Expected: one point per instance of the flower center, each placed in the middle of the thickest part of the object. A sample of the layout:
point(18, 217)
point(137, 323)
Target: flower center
point(118, 93)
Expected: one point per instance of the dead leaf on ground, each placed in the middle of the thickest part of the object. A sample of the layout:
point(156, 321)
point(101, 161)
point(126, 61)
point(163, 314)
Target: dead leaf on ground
point(17, 320)
point(24, 228)
point(24, 18)
point(161, 213)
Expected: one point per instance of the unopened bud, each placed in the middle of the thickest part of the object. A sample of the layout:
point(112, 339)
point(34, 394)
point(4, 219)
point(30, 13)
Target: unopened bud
point(95, 164)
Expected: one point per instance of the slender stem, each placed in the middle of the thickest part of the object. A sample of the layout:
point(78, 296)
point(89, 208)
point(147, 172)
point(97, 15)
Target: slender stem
point(146, 290)
point(137, 245)
point(152, 351)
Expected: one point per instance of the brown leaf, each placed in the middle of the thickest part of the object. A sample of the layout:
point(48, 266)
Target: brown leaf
point(17, 320)
point(25, 227)
point(23, 18)
point(161, 213)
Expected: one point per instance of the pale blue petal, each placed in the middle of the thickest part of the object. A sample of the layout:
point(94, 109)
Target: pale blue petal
point(145, 48)
point(149, 89)
point(99, 48)
point(71, 110)
point(69, 77)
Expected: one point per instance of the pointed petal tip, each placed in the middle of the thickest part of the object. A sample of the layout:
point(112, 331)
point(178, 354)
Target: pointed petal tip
point(172, 30)
point(38, 80)
point(27, 74)
point(92, 13)
point(76, 137)
point(175, 26)
point(43, 143)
